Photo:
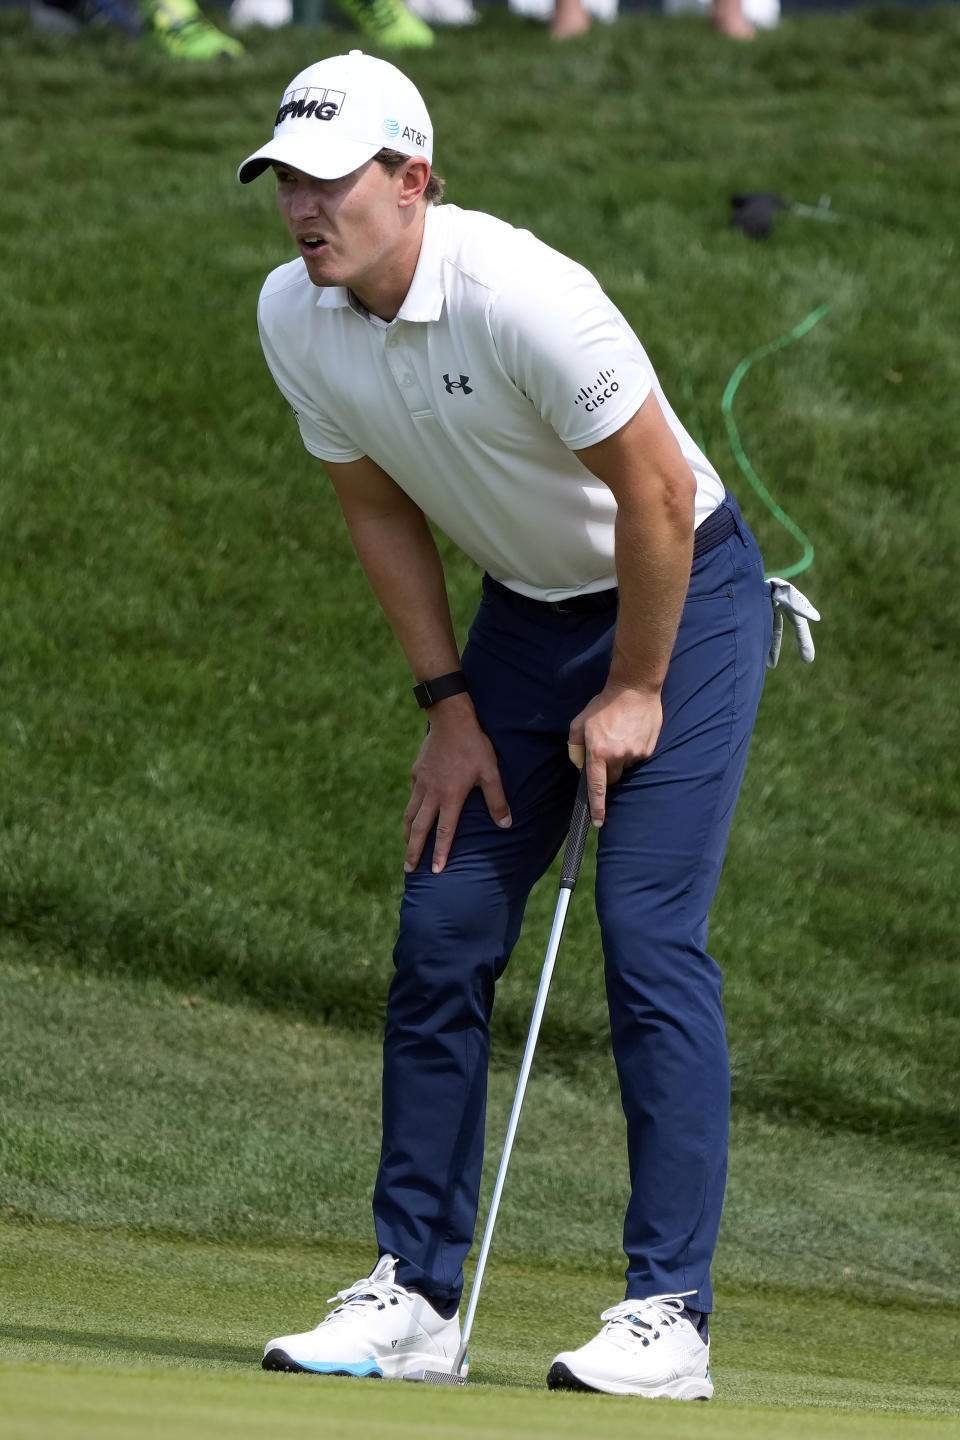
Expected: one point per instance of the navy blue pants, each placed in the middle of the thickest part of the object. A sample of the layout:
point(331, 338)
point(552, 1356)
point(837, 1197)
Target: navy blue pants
point(659, 856)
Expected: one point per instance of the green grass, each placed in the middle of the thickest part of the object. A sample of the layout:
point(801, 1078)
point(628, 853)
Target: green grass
point(185, 1178)
point(206, 732)
point(202, 783)
point(128, 1103)
point(100, 1407)
point(96, 1312)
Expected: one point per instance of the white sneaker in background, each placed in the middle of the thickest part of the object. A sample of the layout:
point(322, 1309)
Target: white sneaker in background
point(765, 14)
point(647, 1347)
point(532, 9)
point(444, 12)
point(377, 1329)
point(605, 10)
point(272, 14)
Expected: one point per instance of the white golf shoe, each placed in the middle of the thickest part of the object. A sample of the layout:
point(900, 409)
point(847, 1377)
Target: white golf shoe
point(647, 1347)
point(378, 1329)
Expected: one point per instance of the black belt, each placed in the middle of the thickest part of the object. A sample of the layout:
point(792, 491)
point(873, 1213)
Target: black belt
point(717, 527)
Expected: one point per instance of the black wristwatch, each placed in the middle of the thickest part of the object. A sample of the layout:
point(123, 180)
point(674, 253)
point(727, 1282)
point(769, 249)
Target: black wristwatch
point(428, 692)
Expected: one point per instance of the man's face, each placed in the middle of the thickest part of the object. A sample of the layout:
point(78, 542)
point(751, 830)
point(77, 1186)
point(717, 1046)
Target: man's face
point(347, 230)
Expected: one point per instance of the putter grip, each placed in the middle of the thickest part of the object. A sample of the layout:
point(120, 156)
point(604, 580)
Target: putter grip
point(576, 836)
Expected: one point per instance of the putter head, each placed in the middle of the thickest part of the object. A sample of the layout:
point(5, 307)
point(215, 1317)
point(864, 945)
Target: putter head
point(437, 1377)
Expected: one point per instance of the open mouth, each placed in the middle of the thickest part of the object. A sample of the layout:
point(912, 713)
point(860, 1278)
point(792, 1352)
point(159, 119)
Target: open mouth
point(311, 243)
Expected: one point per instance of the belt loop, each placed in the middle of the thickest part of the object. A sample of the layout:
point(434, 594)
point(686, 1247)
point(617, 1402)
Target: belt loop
point(731, 503)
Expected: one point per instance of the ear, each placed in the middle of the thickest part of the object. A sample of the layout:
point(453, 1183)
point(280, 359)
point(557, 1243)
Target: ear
point(413, 182)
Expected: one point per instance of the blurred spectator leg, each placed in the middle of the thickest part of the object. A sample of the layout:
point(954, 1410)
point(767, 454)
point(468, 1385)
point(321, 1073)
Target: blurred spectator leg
point(569, 18)
point(728, 18)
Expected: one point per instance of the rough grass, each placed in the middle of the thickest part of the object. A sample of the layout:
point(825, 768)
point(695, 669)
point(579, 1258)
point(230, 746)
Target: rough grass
point(206, 729)
point(203, 782)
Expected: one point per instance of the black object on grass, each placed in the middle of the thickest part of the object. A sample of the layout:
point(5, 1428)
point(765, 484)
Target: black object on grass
point(753, 214)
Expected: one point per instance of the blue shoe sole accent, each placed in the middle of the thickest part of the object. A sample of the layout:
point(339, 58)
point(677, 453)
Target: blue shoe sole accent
point(361, 1369)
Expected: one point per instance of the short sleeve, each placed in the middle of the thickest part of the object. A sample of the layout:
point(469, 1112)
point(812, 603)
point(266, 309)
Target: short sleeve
point(565, 345)
point(320, 433)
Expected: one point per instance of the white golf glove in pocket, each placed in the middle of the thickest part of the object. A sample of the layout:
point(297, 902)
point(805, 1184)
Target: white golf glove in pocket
point(788, 600)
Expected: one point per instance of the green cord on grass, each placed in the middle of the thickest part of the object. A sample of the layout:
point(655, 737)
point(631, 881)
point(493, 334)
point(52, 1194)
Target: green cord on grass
point(726, 405)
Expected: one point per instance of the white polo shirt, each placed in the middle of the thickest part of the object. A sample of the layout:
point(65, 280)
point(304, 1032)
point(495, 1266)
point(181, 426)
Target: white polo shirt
point(505, 356)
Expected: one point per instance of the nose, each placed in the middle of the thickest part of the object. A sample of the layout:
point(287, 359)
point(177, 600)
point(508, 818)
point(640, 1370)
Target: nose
point(305, 200)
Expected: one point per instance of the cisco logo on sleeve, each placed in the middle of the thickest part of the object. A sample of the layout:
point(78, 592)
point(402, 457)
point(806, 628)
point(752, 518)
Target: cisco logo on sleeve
point(591, 397)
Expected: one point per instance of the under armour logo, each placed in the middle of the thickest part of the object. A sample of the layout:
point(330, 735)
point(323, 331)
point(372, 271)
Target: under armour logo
point(460, 384)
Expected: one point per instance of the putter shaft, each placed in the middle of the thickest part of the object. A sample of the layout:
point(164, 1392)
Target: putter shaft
point(573, 856)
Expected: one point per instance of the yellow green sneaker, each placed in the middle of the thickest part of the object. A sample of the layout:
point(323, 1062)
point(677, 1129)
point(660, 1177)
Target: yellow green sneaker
point(388, 23)
point(184, 32)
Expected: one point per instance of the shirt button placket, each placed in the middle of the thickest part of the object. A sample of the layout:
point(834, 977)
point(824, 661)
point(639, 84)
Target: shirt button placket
point(403, 370)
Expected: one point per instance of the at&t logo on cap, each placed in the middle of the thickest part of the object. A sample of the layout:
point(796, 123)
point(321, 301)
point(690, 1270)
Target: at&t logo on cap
point(390, 128)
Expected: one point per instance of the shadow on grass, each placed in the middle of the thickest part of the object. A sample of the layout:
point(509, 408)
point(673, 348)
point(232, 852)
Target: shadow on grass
point(134, 1344)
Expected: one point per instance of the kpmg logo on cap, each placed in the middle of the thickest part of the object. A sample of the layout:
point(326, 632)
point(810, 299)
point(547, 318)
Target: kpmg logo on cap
point(391, 128)
point(310, 102)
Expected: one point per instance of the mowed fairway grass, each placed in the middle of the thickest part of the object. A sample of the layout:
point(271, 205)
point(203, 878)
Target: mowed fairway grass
point(206, 733)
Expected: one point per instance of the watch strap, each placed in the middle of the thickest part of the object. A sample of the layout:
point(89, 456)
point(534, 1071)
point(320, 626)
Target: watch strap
point(428, 692)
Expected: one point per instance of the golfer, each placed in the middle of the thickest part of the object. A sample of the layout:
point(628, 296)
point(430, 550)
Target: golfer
point(447, 367)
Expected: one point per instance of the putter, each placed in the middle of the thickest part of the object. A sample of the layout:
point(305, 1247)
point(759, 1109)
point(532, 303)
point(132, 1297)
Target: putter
point(572, 857)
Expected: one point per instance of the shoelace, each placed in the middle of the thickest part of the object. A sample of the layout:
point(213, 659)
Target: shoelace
point(643, 1316)
point(363, 1292)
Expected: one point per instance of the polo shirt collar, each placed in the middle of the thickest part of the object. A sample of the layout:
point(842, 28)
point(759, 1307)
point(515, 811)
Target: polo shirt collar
point(333, 297)
point(424, 299)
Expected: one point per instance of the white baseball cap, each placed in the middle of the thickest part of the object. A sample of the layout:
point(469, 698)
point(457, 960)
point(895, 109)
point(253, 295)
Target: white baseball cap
point(336, 115)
